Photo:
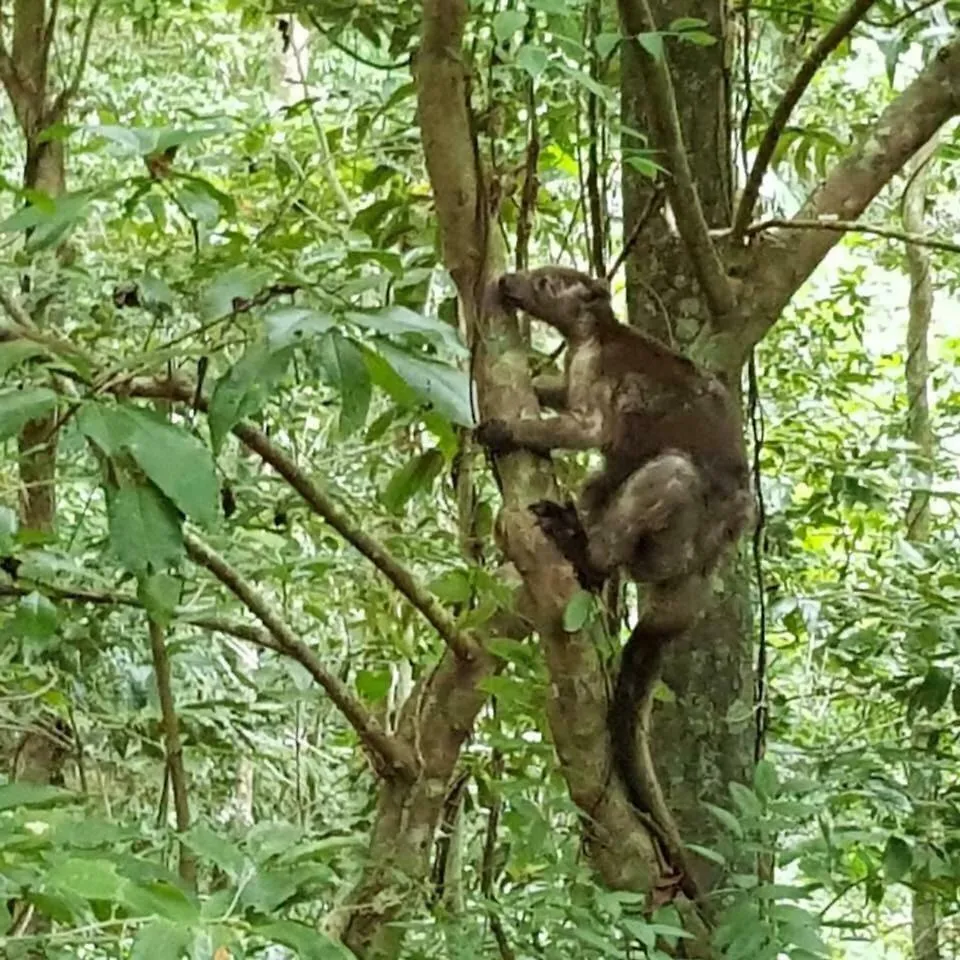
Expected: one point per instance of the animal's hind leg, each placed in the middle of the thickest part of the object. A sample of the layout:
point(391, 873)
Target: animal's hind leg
point(562, 524)
point(650, 524)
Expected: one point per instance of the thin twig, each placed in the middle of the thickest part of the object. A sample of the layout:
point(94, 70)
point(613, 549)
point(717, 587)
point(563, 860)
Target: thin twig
point(653, 205)
point(65, 97)
point(387, 754)
point(637, 18)
point(848, 226)
point(824, 47)
point(173, 748)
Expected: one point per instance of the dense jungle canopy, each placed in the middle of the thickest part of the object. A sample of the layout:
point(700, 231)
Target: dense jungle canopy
point(288, 667)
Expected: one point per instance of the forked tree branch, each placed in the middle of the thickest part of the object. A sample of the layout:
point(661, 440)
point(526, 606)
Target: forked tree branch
point(390, 756)
point(785, 258)
point(636, 18)
point(781, 114)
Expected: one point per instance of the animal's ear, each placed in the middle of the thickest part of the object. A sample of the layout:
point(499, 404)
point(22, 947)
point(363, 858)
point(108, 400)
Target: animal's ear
point(598, 290)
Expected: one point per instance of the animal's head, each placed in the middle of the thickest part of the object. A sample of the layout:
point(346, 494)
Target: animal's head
point(568, 299)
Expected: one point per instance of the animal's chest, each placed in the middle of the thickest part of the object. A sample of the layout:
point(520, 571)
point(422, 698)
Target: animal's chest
point(588, 393)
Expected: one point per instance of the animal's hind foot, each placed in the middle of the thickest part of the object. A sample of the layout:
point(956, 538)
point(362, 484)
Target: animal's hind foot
point(561, 523)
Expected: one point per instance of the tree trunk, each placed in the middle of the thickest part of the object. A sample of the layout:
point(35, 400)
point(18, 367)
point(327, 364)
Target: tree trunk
point(710, 670)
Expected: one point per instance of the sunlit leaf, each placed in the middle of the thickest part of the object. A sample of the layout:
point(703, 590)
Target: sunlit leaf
point(18, 407)
point(347, 372)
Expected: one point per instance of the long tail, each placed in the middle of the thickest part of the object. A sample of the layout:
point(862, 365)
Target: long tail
point(630, 709)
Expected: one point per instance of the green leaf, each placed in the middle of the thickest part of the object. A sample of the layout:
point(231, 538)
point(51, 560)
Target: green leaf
point(20, 793)
point(287, 325)
point(15, 352)
point(35, 618)
point(726, 818)
point(699, 38)
point(745, 800)
point(347, 372)
point(18, 407)
point(652, 43)
point(373, 685)
point(159, 594)
point(309, 944)
point(606, 43)
point(507, 23)
point(160, 899)
point(145, 529)
point(897, 859)
point(578, 611)
point(532, 59)
point(245, 388)
point(240, 282)
point(206, 844)
point(90, 879)
point(446, 389)
point(161, 940)
point(412, 477)
point(399, 321)
point(765, 780)
point(177, 462)
point(453, 586)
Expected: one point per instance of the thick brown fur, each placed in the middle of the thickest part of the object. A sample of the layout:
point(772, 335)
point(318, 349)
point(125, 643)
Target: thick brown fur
point(672, 496)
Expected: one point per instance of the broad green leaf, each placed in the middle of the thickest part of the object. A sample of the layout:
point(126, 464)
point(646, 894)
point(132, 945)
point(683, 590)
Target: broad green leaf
point(162, 900)
point(414, 476)
point(685, 24)
point(161, 940)
point(18, 407)
point(15, 352)
point(373, 685)
point(268, 889)
point(90, 879)
point(159, 593)
point(206, 844)
point(398, 321)
point(560, 7)
point(145, 529)
point(897, 859)
point(105, 425)
point(287, 325)
point(347, 372)
point(652, 43)
point(578, 611)
point(238, 283)
point(726, 818)
point(507, 23)
point(21, 793)
point(453, 586)
point(446, 389)
point(309, 944)
point(177, 462)
point(532, 59)
point(765, 780)
point(745, 800)
point(245, 388)
point(606, 43)
point(35, 618)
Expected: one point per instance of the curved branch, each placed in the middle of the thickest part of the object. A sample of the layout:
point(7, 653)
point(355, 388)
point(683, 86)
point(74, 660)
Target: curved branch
point(636, 18)
point(787, 258)
point(462, 644)
point(388, 755)
point(65, 97)
point(823, 48)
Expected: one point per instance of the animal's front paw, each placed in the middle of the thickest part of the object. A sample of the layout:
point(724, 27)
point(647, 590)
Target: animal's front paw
point(495, 436)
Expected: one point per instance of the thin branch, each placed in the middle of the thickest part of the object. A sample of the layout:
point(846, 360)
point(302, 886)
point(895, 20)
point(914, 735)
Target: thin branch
point(462, 644)
point(173, 748)
point(66, 96)
point(387, 754)
point(823, 48)
point(846, 226)
point(653, 205)
point(212, 624)
point(637, 18)
point(343, 48)
point(781, 264)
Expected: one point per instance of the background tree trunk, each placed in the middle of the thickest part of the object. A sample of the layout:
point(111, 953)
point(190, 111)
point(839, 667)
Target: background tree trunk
point(710, 669)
